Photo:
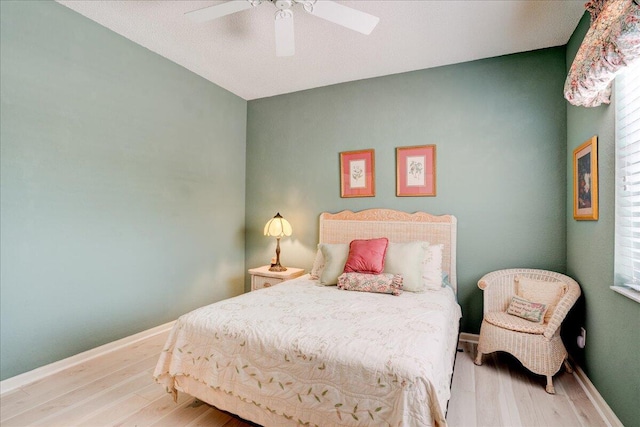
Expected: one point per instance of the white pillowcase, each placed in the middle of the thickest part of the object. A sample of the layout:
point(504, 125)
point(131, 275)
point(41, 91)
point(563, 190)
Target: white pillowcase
point(318, 265)
point(432, 267)
point(335, 257)
point(407, 260)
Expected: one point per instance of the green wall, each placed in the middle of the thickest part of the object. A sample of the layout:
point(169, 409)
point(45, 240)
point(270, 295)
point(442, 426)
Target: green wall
point(122, 187)
point(612, 321)
point(500, 129)
point(126, 201)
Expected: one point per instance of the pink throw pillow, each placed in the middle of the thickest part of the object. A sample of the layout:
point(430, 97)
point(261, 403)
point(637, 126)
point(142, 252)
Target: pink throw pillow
point(366, 256)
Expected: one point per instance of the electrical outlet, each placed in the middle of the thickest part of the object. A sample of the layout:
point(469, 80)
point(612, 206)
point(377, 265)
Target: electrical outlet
point(582, 339)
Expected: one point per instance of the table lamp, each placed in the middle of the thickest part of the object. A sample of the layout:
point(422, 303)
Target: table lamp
point(277, 227)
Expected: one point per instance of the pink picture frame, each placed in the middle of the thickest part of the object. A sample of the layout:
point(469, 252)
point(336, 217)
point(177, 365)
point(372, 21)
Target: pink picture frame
point(416, 171)
point(357, 173)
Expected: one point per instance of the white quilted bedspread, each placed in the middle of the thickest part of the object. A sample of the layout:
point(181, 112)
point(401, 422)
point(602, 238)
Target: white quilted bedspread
point(323, 356)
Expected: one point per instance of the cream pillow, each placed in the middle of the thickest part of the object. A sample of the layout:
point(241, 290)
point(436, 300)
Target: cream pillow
point(406, 259)
point(318, 265)
point(335, 257)
point(432, 267)
point(541, 291)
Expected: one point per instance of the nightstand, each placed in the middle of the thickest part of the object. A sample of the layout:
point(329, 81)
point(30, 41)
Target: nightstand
point(261, 277)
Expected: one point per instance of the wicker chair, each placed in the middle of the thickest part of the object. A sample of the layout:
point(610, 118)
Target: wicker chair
point(540, 348)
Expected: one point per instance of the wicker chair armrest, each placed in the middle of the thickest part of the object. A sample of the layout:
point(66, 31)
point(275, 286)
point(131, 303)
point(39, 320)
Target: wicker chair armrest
point(498, 289)
point(488, 278)
point(562, 309)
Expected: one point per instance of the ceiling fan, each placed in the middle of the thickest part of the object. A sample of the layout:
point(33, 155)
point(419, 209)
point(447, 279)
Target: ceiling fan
point(325, 9)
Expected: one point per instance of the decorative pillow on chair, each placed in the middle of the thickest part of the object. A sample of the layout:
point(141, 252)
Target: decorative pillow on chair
point(378, 283)
point(406, 259)
point(432, 267)
point(532, 311)
point(335, 256)
point(366, 256)
point(541, 291)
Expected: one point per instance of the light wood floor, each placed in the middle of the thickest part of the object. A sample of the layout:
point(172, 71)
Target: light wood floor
point(116, 389)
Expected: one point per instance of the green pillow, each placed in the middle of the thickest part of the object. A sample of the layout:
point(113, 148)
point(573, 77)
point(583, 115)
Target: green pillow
point(406, 259)
point(335, 257)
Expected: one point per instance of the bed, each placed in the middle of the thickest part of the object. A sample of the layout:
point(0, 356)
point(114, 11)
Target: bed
point(303, 354)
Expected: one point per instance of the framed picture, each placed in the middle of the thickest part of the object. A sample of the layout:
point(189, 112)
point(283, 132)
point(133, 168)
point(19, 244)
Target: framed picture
point(585, 180)
point(416, 171)
point(357, 173)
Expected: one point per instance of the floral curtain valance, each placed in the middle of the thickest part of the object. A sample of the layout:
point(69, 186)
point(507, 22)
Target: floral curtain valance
point(612, 43)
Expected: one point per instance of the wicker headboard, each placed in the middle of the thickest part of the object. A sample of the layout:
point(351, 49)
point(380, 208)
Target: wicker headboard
point(397, 226)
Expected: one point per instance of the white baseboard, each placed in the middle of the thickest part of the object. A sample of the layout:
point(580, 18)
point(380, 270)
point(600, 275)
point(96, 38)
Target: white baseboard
point(590, 390)
point(28, 377)
point(592, 393)
point(467, 337)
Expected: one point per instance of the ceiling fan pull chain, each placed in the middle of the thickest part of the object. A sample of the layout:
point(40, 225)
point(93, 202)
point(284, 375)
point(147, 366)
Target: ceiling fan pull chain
point(307, 4)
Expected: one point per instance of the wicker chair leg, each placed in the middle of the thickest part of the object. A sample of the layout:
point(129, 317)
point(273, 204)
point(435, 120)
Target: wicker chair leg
point(567, 366)
point(478, 360)
point(549, 388)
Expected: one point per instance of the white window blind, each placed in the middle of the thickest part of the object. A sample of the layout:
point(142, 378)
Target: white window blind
point(627, 217)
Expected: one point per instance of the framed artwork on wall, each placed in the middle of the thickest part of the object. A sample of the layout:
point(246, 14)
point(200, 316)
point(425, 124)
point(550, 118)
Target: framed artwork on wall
point(416, 171)
point(585, 180)
point(357, 173)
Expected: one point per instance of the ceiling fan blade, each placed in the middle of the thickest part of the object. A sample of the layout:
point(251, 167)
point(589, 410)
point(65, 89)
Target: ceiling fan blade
point(285, 45)
point(343, 15)
point(219, 10)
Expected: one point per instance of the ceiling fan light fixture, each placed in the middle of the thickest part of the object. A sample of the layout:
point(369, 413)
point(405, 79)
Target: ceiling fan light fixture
point(307, 4)
point(283, 4)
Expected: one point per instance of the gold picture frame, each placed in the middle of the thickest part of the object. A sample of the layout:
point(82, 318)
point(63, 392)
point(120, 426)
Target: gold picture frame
point(585, 181)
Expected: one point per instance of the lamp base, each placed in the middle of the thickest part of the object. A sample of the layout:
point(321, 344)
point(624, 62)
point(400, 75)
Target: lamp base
point(277, 267)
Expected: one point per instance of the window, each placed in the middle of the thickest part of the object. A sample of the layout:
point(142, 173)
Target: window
point(627, 238)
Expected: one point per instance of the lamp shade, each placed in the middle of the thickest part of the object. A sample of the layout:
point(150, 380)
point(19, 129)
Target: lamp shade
point(278, 227)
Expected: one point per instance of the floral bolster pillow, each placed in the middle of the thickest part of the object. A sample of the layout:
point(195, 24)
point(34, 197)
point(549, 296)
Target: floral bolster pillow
point(379, 283)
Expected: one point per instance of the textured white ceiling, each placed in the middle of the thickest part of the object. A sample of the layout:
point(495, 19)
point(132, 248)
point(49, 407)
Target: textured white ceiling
point(237, 52)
